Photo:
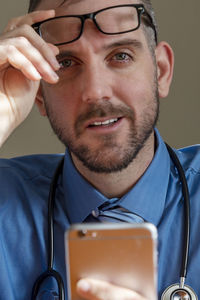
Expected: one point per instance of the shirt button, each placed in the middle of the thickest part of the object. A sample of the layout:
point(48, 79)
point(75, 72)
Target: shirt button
point(95, 212)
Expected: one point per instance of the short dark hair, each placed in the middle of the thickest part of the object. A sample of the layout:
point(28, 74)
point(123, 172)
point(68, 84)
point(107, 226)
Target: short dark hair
point(150, 34)
point(33, 4)
point(148, 30)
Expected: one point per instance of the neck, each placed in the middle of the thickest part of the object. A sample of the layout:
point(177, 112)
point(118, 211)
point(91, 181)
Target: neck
point(119, 183)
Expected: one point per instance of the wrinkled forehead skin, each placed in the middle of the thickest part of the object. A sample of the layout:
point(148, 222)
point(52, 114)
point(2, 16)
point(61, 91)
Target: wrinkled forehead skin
point(80, 6)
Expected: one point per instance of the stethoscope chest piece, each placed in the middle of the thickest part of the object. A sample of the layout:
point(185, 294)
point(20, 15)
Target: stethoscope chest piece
point(174, 292)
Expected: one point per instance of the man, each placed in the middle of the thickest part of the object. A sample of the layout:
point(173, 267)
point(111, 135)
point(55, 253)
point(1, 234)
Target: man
point(100, 92)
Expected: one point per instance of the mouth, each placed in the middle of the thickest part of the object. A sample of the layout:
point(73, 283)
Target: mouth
point(106, 123)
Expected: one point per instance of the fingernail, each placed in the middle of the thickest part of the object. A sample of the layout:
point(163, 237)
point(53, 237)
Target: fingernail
point(83, 285)
point(55, 76)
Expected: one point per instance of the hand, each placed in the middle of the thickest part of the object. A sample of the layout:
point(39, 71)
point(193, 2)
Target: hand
point(25, 59)
point(93, 289)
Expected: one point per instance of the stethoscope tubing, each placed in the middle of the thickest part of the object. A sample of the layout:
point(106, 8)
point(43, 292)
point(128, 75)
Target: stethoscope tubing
point(50, 272)
point(51, 204)
point(186, 197)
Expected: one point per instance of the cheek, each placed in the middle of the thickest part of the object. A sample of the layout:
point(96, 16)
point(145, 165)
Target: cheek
point(61, 100)
point(137, 85)
point(136, 91)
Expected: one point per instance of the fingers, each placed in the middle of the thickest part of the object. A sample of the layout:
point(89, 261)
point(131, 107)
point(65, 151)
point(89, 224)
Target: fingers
point(25, 59)
point(22, 55)
point(25, 50)
point(28, 60)
point(29, 19)
point(54, 49)
point(20, 62)
point(93, 289)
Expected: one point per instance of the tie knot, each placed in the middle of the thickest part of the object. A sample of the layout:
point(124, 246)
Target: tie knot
point(111, 213)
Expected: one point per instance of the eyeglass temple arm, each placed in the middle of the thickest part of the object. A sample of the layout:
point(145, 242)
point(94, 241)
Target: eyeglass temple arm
point(149, 22)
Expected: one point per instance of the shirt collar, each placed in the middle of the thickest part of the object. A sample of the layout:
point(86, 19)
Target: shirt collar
point(146, 198)
point(80, 196)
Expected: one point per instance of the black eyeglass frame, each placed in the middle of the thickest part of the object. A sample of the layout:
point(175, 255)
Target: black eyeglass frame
point(140, 11)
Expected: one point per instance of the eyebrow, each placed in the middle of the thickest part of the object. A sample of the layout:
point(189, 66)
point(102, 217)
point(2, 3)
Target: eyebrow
point(125, 42)
point(74, 1)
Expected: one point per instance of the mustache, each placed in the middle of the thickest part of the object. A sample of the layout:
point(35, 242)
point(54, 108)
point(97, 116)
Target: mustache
point(101, 111)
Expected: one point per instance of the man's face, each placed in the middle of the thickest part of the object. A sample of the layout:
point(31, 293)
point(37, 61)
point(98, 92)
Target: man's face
point(105, 105)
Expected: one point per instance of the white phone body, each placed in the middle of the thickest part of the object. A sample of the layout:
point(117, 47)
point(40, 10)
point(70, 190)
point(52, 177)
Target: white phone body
point(121, 253)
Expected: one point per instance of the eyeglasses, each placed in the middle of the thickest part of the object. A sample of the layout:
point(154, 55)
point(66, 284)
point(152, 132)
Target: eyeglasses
point(111, 20)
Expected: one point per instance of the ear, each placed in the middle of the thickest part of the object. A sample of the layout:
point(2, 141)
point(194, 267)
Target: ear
point(165, 66)
point(39, 101)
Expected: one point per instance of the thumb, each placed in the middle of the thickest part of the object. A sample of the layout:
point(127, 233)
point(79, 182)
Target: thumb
point(93, 289)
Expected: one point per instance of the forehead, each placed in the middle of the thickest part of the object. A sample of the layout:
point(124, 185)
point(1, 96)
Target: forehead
point(80, 6)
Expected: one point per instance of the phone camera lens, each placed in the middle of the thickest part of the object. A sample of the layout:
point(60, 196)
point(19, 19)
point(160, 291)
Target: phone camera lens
point(82, 233)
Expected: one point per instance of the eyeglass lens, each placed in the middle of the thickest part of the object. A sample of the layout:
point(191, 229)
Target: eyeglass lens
point(110, 21)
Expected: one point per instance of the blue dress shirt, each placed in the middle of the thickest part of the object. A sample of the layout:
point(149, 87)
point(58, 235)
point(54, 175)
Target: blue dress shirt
point(157, 198)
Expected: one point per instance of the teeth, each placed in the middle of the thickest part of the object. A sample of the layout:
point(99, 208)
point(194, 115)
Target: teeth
point(104, 123)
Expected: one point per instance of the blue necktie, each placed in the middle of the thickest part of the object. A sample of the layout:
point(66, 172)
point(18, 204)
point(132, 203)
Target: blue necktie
point(113, 213)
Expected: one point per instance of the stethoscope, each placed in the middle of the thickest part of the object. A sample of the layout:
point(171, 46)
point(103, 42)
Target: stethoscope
point(178, 291)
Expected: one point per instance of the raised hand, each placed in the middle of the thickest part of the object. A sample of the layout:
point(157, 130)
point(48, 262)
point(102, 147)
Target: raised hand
point(25, 59)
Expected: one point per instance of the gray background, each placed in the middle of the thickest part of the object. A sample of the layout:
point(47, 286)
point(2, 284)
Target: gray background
point(179, 118)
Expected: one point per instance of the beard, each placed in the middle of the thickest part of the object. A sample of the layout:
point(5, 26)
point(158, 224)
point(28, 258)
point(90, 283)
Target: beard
point(109, 154)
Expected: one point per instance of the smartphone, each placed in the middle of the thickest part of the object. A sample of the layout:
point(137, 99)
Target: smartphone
point(121, 253)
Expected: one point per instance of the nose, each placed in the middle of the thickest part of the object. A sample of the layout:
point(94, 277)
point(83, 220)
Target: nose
point(96, 84)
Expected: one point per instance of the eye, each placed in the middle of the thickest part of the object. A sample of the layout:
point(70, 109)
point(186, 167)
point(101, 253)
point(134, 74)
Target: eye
point(66, 63)
point(122, 57)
